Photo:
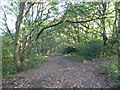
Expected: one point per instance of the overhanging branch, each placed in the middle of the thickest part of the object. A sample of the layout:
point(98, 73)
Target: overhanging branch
point(48, 27)
point(83, 21)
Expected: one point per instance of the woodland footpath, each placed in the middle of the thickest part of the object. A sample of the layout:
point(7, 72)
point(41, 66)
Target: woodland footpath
point(78, 42)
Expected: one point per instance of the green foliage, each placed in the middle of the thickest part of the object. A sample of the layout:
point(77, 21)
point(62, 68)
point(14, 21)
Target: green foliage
point(58, 54)
point(75, 57)
point(34, 62)
point(112, 48)
point(7, 70)
point(91, 49)
point(112, 67)
point(7, 56)
point(69, 50)
point(7, 50)
point(63, 37)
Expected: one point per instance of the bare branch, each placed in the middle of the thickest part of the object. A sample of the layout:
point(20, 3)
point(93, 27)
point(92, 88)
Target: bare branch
point(28, 9)
point(6, 25)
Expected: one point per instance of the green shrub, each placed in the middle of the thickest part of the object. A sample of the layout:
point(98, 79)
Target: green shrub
point(76, 58)
point(69, 49)
point(91, 49)
point(112, 67)
point(7, 70)
point(58, 54)
point(35, 62)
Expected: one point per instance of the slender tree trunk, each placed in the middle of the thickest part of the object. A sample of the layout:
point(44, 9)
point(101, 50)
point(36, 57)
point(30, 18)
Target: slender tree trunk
point(18, 28)
point(119, 37)
point(103, 24)
point(104, 36)
point(104, 33)
point(118, 29)
point(117, 9)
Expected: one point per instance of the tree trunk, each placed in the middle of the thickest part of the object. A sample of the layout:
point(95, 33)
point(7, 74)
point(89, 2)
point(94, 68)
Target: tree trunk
point(18, 28)
point(103, 24)
point(118, 29)
point(104, 33)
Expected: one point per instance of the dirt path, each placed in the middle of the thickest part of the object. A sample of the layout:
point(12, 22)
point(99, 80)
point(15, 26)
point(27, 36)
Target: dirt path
point(59, 72)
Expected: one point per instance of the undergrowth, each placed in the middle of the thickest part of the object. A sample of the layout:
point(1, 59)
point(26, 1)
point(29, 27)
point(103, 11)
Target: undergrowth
point(112, 67)
point(9, 69)
point(112, 70)
point(76, 57)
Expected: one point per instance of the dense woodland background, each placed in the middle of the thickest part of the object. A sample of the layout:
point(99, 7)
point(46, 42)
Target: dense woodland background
point(82, 30)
